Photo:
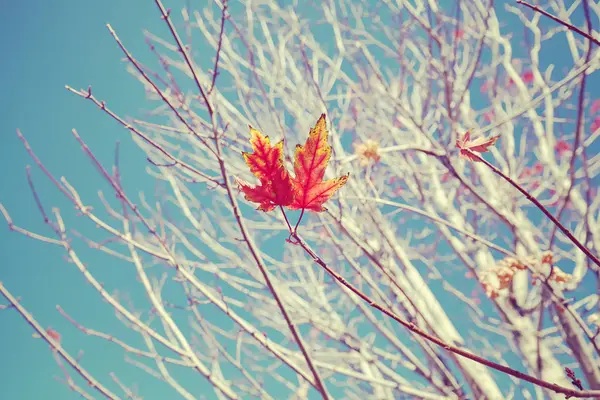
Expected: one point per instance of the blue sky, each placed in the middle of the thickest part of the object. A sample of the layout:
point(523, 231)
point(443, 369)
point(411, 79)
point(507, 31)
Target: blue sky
point(45, 46)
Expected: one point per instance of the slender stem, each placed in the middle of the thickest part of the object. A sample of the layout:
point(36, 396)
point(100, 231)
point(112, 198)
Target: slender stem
point(187, 350)
point(186, 56)
point(175, 161)
point(299, 219)
point(447, 346)
point(162, 95)
point(218, 56)
point(539, 205)
point(560, 21)
point(319, 384)
point(578, 127)
point(287, 221)
point(55, 345)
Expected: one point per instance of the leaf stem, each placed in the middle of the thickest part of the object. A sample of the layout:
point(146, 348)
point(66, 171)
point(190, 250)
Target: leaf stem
point(287, 221)
point(560, 21)
point(539, 205)
point(298, 223)
point(56, 346)
point(447, 346)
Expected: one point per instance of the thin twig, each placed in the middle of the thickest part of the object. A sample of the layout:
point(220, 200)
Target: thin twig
point(56, 346)
point(560, 21)
point(186, 347)
point(183, 49)
point(102, 105)
point(539, 205)
point(447, 346)
point(218, 56)
point(156, 89)
point(319, 384)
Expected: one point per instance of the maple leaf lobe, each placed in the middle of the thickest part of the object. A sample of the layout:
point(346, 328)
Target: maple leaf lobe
point(310, 162)
point(266, 163)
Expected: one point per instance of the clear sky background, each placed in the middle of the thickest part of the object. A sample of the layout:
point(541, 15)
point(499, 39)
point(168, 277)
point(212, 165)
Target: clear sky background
point(44, 46)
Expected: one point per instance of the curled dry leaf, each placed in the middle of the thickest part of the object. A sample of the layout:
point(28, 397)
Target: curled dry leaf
point(480, 145)
point(367, 151)
point(559, 276)
point(500, 276)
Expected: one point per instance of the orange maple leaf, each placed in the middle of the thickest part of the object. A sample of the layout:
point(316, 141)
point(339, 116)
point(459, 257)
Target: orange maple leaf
point(266, 163)
point(310, 161)
point(479, 145)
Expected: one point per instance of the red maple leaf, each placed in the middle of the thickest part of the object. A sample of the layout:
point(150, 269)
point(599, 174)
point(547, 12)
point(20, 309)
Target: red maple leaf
point(479, 145)
point(266, 163)
point(310, 161)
